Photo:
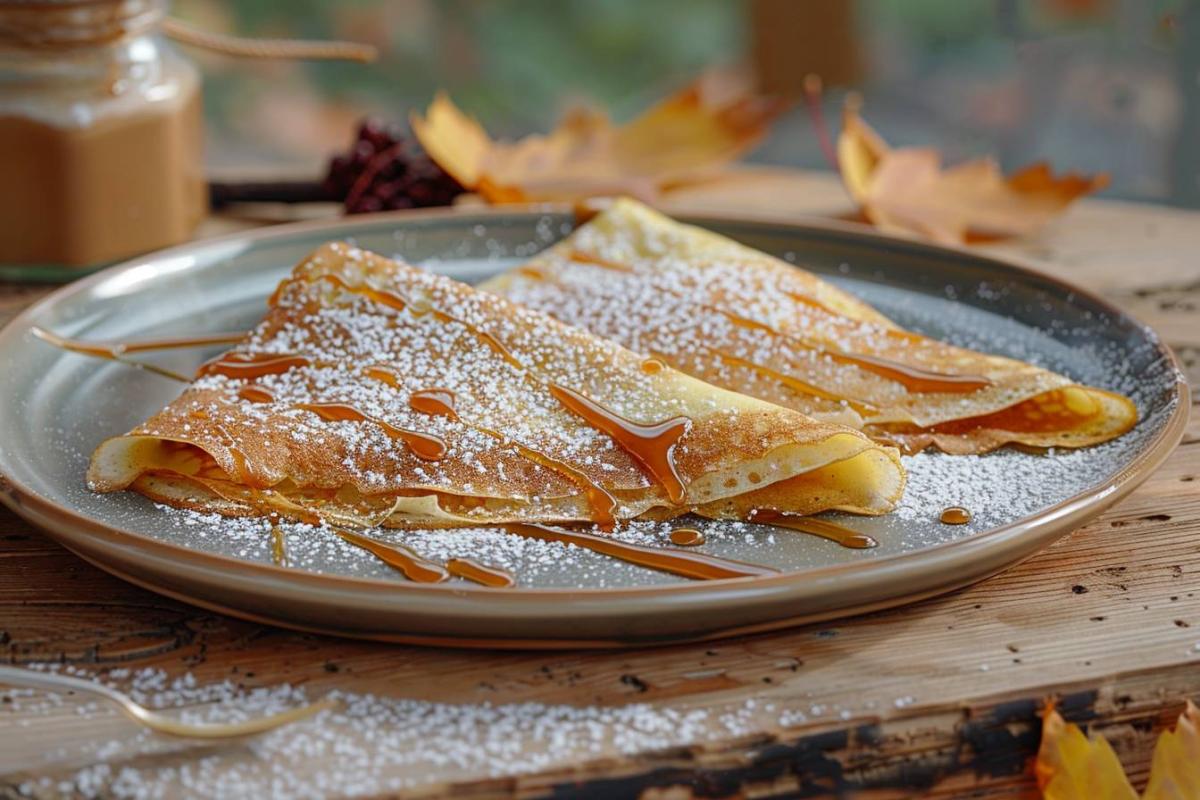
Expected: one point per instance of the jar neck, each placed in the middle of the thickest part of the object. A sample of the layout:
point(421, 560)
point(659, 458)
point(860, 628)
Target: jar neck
point(79, 49)
point(75, 27)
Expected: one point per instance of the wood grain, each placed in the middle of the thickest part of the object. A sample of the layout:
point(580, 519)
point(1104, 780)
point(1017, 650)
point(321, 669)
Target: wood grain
point(1107, 619)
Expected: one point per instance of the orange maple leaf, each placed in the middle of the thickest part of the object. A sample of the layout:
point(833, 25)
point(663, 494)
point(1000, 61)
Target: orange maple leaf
point(683, 138)
point(906, 190)
point(1070, 766)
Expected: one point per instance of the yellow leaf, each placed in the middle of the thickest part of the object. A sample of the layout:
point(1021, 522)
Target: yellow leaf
point(1175, 768)
point(686, 136)
point(859, 151)
point(458, 143)
point(1070, 766)
point(906, 190)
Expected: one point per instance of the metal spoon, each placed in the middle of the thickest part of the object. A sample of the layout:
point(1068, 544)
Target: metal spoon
point(161, 723)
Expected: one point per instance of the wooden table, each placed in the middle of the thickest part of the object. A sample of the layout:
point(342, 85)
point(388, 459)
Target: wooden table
point(938, 697)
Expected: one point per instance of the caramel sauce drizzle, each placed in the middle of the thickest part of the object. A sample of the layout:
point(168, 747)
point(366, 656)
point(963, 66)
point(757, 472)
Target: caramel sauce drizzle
point(531, 273)
point(422, 445)
point(256, 394)
point(652, 446)
point(399, 557)
point(586, 210)
point(652, 366)
point(242, 468)
point(1056, 410)
point(914, 379)
point(846, 537)
point(813, 302)
point(488, 339)
point(483, 574)
point(687, 537)
point(399, 302)
point(385, 298)
point(601, 503)
point(689, 565)
point(248, 366)
point(587, 258)
point(383, 374)
point(436, 402)
point(894, 333)
point(955, 515)
point(865, 409)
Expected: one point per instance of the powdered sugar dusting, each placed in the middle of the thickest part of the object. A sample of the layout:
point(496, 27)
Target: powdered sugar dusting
point(369, 744)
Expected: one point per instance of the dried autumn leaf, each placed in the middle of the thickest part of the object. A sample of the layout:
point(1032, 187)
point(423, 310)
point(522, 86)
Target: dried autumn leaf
point(906, 190)
point(1070, 766)
point(1175, 768)
point(684, 137)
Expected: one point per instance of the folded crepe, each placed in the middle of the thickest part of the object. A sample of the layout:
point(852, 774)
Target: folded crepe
point(376, 393)
point(749, 322)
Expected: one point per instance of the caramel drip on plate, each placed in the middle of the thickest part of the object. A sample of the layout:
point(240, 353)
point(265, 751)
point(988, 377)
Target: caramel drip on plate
point(422, 445)
point(483, 574)
point(652, 446)
point(256, 394)
point(846, 537)
point(914, 379)
point(587, 258)
point(955, 515)
point(437, 402)
point(687, 537)
point(114, 350)
point(689, 565)
point(248, 366)
point(411, 565)
point(279, 546)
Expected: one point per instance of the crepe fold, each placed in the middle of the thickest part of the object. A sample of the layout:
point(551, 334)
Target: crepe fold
point(377, 393)
point(749, 322)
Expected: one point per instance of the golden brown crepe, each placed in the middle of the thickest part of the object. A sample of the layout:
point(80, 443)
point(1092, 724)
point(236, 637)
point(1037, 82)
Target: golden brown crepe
point(376, 393)
point(749, 322)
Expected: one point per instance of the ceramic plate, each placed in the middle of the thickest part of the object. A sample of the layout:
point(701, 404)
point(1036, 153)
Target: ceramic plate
point(56, 406)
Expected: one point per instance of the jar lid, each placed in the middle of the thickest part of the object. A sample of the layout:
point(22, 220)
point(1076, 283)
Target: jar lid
point(43, 24)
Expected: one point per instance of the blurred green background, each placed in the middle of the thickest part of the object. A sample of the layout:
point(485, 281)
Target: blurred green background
point(1091, 85)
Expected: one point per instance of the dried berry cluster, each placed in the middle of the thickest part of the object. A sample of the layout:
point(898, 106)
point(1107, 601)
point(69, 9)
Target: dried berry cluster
point(382, 171)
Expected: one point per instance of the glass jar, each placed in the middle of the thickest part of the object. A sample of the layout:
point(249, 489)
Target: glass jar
point(100, 135)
